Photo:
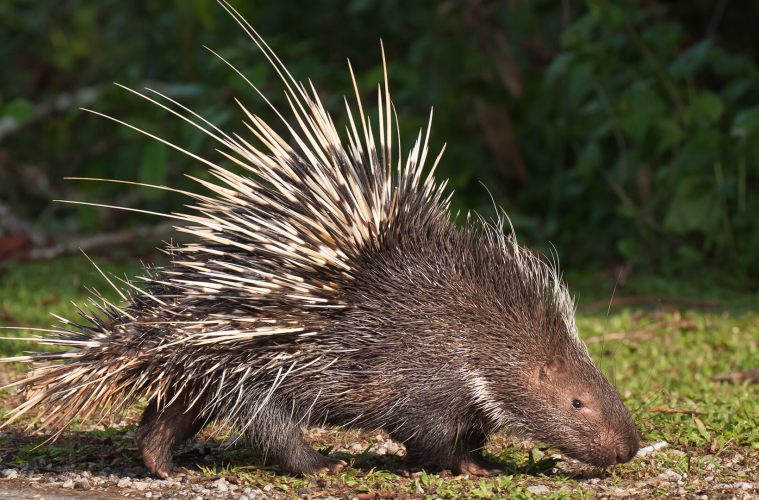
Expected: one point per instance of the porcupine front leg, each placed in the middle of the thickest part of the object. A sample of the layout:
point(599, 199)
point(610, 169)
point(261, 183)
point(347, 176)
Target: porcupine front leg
point(161, 430)
point(279, 438)
point(470, 460)
point(448, 447)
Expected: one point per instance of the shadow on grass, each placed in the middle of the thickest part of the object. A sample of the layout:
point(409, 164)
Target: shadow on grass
point(115, 451)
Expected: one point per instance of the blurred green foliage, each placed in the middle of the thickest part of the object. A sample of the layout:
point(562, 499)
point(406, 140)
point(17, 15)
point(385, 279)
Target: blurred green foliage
point(621, 132)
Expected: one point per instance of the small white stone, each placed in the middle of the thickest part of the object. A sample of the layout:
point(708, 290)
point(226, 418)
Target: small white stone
point(391, 447)
point(355, 448)
point(9, 473)
point(539, 489)
point(124, 482)
point(221, 485)
point(68, 484)
point(670, 475)
point(140, 485)
point(646, 450)
point(82, 484)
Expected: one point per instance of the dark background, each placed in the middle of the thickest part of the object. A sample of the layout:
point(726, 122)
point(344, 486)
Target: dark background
point(622, 133)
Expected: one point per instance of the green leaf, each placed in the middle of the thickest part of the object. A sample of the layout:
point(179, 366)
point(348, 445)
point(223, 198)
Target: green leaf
point(702, 429)
point(636, 125)
point(706, 107)
point(694, 207)
point(668, 134)
point(746, 123)
point(580, 82)
point(19, 109)
point(425, 479)
point(588, 161)
point(559, 66)
point(692, 60)
point(699, 151)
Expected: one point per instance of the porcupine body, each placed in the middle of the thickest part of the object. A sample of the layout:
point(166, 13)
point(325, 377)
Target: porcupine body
point(326, 284)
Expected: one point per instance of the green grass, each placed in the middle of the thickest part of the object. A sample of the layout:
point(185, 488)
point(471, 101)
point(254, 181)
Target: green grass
point(672, 364)
point(30, 292)
point(658, 356)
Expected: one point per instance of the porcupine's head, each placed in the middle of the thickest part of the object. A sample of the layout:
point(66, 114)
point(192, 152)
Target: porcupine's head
point(533, 374)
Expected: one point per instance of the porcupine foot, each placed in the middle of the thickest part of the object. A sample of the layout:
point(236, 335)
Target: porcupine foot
point(280, 440)
point(293, 454)
point(460, 457)
point(316, 464)
point(160, 431)
point(470, 461)
point(467, 464)
point(476, 465)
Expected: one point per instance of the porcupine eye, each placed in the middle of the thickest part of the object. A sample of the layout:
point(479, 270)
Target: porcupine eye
point(577, 403)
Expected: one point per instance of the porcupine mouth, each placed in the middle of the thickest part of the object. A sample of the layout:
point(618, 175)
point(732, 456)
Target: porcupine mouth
point(600, 456)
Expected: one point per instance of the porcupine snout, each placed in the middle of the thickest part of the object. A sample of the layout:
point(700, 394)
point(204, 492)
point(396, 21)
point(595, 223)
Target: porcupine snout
point(617, 447)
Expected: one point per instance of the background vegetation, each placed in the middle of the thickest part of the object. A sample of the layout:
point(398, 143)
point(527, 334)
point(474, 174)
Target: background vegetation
point(623, 133)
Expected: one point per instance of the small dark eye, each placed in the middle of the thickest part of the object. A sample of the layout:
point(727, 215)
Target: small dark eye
point(577, 403)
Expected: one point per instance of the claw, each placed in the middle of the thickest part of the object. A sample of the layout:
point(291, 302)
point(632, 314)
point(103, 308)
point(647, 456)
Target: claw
point(478, 468)
point(332, 466)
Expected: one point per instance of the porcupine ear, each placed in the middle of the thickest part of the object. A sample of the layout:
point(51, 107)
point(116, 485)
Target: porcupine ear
point(552, 369)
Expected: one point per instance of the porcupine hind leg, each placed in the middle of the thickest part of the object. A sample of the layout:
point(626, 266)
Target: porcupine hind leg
point(276, 434)
point(161, 430)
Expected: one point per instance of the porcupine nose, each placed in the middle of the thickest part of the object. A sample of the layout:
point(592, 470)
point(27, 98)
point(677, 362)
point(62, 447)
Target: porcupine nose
point(619, 447)
point(625, 453)
point(626, 449)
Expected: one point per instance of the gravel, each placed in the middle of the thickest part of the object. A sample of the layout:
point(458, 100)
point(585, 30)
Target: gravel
point(110, 472)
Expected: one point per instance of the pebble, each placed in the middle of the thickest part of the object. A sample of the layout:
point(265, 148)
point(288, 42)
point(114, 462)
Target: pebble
point(9, 473)
point(140, 485)
point(221, 485)
point(652, 448)
point(619, 492)
point(392, 447)
point(124, 482)
point(355, 448)
point(69, 483)
point(538, 489)
point(82, 484)
point(670, 475)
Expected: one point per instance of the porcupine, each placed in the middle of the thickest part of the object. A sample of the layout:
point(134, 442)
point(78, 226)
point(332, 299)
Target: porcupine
point(327, 284)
